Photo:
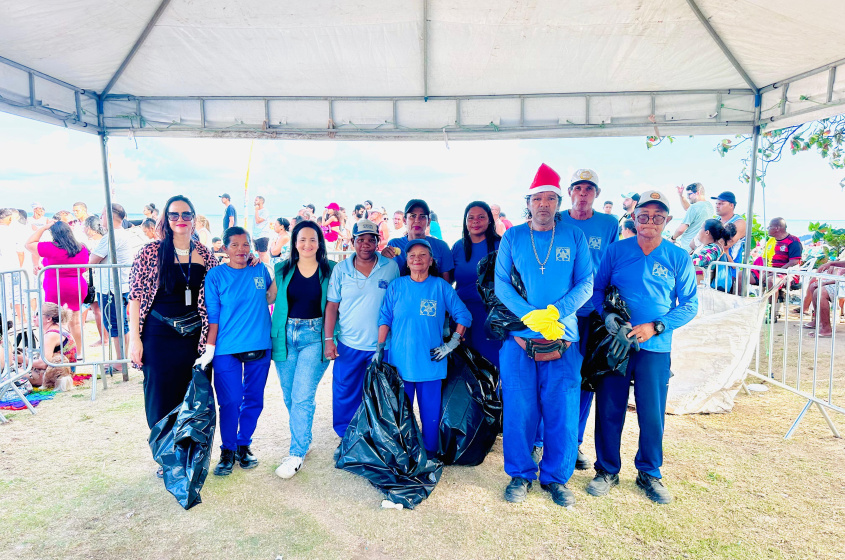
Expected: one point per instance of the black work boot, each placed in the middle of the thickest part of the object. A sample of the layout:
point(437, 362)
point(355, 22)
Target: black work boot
point(582, 463)
point(226, 464)
point(653, 488)
point(517, 490)
point(602, 483)
point(537, 454)
point(245, 457)
point(561, 495)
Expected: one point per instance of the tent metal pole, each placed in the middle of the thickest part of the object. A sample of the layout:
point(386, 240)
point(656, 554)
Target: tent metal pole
point(115, 276)
point(752, 185)
point(136, 46)
point(425, 49)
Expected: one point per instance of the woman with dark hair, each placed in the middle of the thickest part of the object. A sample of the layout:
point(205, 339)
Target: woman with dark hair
point(414, 309)
point(148, 226)
point(297, 334)
point(478, 240)
point(713, 237)
point(65, 286)
point(168, 322)
point(280, 249)
point(150, 211)
point(94, 231)
point(629, 229)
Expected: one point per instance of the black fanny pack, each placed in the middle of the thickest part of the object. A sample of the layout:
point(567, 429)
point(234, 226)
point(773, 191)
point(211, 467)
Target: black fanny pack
point(250, 356)
point(186, 325)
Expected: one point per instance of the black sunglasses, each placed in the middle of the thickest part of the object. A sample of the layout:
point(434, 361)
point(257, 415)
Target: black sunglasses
point(186, 216)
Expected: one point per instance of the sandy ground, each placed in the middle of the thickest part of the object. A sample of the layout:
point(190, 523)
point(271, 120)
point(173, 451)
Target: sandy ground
point(76, 481)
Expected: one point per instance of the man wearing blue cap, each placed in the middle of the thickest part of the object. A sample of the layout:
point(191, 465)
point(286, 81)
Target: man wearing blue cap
point(656, 280)
point(417, 218)
point(541, 364)
point(725, 207)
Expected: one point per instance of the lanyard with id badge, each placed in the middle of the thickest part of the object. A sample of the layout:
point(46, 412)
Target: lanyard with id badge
point(190, 323)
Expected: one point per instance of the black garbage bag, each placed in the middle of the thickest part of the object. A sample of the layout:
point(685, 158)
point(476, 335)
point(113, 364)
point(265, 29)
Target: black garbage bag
point(384, 444)
point(597, 362)
point(471, 409)
point(500, 320)
point(181, 441)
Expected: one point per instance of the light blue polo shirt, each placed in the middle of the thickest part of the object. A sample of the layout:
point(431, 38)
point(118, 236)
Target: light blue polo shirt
point(360, 299)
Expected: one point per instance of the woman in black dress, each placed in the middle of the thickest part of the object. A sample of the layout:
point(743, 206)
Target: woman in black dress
point(167, 284)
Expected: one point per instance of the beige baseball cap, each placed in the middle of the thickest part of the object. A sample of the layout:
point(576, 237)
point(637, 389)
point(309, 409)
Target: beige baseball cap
point(653, 196)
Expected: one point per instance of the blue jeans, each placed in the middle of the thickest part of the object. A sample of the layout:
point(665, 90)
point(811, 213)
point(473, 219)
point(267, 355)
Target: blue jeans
point(108, 304)
point(299, 376)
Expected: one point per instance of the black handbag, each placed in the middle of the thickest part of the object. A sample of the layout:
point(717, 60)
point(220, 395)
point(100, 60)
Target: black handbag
point(91, 296)
point(186, 325)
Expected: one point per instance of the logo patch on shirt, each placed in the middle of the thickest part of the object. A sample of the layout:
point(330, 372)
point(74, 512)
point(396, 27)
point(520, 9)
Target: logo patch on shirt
point(782, 248)
point(259, 283)
point(428, 307)
point(382, 284)
point(595, 243)
point(561, 253)
point(660, 270)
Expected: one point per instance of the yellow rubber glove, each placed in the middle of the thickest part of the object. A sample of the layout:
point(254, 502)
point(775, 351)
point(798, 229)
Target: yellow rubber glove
point(540, 318)
point(553, 331)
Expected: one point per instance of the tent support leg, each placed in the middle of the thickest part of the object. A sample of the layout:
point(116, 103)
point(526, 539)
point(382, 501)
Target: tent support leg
point(115, 287)
point(752, 185)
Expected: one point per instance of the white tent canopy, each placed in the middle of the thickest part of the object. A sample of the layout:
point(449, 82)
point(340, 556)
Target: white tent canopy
point(376, 69)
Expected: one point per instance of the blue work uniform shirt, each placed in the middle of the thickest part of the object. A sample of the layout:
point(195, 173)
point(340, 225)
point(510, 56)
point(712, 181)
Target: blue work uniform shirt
point(360, 300)
point(658, 286)
point(466, 272)
point(439, 250)
point(415, 313)
point(600, 230)
point(566, 283)
point(236, 300)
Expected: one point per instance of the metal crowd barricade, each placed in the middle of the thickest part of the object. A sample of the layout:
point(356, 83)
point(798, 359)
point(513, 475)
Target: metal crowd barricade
point(338, 256)
point(790, 361)
point(17, 335)
point(109, 358)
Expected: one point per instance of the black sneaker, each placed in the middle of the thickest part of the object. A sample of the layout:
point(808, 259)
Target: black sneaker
point(517, 490)
point(582, 463)
point(653, 488)
point(245, 457)
point(602, 483)
point(226, 464)
point(561, 495)
point(537, 454)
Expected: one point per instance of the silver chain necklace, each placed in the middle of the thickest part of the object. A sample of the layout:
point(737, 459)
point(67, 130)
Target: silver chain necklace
point(367, 277)
point(551, 243)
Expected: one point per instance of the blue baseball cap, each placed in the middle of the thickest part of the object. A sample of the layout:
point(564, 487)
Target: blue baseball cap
point(422, 242)
point(726, 196)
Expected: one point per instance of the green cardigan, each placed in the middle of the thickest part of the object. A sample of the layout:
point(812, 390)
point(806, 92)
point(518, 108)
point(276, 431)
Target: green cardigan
point(278, 330)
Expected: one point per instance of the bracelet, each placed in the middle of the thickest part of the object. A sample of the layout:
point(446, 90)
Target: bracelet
point(331, 338)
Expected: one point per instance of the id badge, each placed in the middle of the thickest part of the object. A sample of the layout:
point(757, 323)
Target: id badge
point(188, 296)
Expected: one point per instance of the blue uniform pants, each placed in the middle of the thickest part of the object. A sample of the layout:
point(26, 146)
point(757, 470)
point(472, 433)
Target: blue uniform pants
point(348, 384)
point(651, 384)
point(586, 396)
point(428, 401)
point(240, 397)
point(534, 391)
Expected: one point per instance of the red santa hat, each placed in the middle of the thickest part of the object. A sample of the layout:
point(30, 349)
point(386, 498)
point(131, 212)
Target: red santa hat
point(546, 180)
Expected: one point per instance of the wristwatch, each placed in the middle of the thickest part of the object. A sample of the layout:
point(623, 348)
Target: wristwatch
point(659, 327)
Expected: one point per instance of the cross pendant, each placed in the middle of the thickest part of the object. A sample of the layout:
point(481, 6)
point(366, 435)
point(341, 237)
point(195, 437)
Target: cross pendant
point(542, 269)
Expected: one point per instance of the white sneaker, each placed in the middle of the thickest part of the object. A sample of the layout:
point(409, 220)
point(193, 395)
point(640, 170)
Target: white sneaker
point(289, 467)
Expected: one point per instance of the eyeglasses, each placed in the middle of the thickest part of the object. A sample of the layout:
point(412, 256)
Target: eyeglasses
point(186, 216)
point(657, 219)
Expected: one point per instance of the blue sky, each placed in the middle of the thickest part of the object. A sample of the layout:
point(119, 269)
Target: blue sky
point(58, 167)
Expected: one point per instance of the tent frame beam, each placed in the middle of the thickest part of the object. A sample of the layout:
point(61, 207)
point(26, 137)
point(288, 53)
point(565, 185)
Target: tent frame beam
point(136, 47)
point(721, 44)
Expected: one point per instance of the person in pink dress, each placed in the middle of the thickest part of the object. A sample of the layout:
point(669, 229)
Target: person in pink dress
point(70, 288)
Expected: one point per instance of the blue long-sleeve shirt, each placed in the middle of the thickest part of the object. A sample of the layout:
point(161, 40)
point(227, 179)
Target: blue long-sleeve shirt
point(566, 282)
point(658, 286)
point(600, 230)
point(415, 313)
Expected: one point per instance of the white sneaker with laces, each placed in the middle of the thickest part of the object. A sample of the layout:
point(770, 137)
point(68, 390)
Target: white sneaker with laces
point(289, 467)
